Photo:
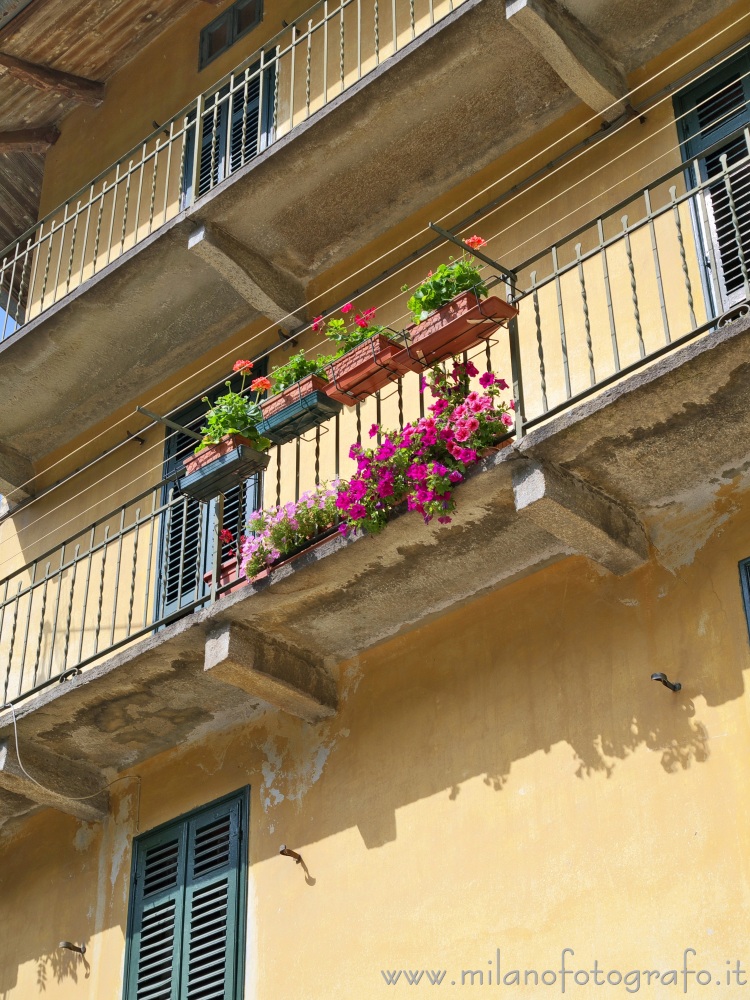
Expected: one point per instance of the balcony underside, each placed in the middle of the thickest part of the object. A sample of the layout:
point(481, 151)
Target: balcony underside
point(366, 161)
point(603, 481)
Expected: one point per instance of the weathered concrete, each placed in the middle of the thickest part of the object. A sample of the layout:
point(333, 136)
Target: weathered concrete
point(573, 54)
point(45, 779)
point(580, 516)
point(16, 475)
point(263, 287)
point(306, 203)
point(266, 670)
point(668, 446)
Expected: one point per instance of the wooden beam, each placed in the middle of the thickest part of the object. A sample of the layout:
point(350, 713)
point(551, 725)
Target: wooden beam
point(75, 88)
point(29, 140)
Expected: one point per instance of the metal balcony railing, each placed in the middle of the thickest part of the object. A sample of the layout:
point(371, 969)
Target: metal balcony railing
point(668, 264)
point(303, 68)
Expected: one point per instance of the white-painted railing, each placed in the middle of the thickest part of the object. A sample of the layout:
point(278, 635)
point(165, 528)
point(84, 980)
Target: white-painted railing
point(311, 62)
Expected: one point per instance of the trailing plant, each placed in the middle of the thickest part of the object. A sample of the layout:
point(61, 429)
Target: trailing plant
point(296, 368)
point(442, 286)
point(420, 465)
point(280, 531)
point(347, 334)
point(236, 413)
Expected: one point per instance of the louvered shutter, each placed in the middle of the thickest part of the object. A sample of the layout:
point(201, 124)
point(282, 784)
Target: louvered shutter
point(186, 536)
point(251, 124)
point(713, 112)
point(187, 908)
point(158, 916)
point(184, 556)
point(211, 906)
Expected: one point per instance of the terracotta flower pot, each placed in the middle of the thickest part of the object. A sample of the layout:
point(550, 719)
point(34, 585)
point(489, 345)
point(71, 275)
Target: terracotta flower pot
point(229, 573)
point(305, 387)
point(296, 410)
point(291, 556)
point(456, 327)
point(369, 367)
point(221, 466)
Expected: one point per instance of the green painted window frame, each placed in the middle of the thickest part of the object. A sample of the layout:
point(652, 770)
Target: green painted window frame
point(183, 832)
point(230, 20)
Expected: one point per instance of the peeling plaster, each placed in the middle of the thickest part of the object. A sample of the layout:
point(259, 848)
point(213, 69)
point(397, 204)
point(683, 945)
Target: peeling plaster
point(85, 835)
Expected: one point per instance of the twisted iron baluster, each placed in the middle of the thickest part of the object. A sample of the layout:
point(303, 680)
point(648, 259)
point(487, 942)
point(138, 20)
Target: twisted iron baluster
point(683, 255)
point(633, 288)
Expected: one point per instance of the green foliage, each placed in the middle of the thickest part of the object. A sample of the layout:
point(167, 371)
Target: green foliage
point(232, 413)
point(297, 368)
point(448, 281)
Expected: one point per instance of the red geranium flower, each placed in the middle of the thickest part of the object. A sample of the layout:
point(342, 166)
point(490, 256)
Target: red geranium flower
point(226, 536)
point(261, 384)
point(475, 242)
point(317, 323)
point(242, 366)
point(347, 308)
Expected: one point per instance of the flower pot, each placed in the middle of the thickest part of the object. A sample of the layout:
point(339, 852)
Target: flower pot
point(369, 367)
point(290, 557)
point(296, 410)
point(456, 327)
point(228, 574)
point(221, 466)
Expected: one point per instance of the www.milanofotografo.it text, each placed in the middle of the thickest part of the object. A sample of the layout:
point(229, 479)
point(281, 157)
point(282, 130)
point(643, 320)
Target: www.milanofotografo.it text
point(685, 977)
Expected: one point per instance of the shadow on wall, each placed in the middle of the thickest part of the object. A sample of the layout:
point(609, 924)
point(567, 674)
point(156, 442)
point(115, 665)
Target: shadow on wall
point(61, 964)
point(563, 658)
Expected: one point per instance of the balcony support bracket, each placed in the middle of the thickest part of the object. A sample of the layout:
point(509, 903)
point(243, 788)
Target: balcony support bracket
point(60, 777)
point(585, 520)
point(267, 289)
point(573, 54)
point(16, 476)
point(284, 678)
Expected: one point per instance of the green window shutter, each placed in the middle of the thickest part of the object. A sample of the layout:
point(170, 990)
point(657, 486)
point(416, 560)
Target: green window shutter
point(712, 114)
point(186, 926)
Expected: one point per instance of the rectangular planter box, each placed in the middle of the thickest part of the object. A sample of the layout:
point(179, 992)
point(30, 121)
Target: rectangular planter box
point(457, 327)
point(298, 409)
point(221, 466)
point(369, 367)
point(229, 574)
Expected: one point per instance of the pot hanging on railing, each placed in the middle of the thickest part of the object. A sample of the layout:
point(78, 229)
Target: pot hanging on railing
point(296, 410)
point(458, 326)
point(219, 467)
point(368, 367)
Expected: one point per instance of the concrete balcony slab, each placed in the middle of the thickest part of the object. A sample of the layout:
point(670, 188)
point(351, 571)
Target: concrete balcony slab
point(627, 463)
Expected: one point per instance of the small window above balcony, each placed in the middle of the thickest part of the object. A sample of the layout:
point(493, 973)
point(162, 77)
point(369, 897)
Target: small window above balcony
point(227, 28)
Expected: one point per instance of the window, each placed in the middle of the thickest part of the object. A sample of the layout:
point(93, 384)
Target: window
point(713, 114)
point(186, 925)
point(186, 537)
point(745, 584)
point(234, 128)
point(229, 27)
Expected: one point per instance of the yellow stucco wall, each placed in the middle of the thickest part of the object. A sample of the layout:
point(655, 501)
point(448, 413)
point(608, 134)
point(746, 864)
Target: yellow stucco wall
point(506, 777)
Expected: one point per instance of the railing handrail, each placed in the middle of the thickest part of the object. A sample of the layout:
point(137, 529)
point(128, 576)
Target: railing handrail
point(184, 112)
point(682, 168)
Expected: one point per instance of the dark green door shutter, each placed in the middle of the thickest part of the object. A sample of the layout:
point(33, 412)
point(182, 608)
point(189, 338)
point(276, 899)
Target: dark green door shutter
point(187, 908)
point(211, 906)
point(156, 937)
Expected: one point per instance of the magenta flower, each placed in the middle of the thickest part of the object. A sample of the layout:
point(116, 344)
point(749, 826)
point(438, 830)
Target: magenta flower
point(347, 308)
point(462, 433)
point(374, 430)
point(455, 476)
point(385, 451)
point(486, 380)
point(507, 419)
point(357, 512)
point(472, 424)
point(418, 471)
point(357, 489)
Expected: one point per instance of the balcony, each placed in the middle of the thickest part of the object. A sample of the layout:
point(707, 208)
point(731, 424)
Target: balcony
point(629, 362)
point(244, 166)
